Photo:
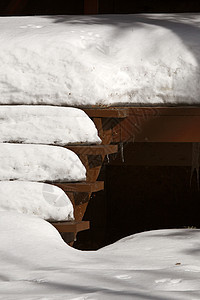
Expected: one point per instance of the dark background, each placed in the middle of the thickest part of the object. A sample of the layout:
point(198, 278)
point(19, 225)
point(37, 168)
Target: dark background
point(140, 198)
point(43, 7)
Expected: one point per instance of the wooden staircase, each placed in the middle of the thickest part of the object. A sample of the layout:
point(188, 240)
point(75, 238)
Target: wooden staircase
point(118, 125)
point(92, 156)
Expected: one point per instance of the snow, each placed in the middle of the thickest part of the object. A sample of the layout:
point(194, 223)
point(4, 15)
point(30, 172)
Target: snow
point(30, 162)
point(33, 198)
point(100, 60)
point(46, 125)
point(36, 264)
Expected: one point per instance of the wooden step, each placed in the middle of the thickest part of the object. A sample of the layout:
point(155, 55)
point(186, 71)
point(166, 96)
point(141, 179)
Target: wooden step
point(111, 112)
point(106, 120)
point(92, 158)
point(94, 149)
point(147, 124)
point(71, 226)
point(82, 187)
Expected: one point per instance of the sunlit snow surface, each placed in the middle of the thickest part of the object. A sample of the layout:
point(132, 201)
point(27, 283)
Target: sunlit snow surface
point(35, 198)
point(36, 264)
point(100, 60)
point(30, 162)
point(38, 124)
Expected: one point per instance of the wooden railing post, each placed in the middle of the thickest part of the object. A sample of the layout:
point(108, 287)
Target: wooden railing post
point(91, 7)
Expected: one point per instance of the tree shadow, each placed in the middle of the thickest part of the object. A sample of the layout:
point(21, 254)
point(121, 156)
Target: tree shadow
point(179, 234)
point(186, 26)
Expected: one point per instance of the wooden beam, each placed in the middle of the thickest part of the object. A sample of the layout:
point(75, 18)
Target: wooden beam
point(94, 149)
point(82, 187)
point(147, 124)
point(71, 226)
point(91, 7)
point(112, 112)
point(167, 129)
point(92, 158)
point(150, 124)
point(165, 111)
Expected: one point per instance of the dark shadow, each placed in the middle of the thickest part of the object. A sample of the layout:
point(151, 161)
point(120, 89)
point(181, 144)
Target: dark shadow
point(186, 28)
point(185, 25)
point(180, 234)
point(90, 289)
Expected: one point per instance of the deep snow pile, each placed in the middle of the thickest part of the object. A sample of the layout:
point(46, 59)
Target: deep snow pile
point(46, 125)
point(39, 163)
point(100, 60)
point(43, 200)
point(35, 263)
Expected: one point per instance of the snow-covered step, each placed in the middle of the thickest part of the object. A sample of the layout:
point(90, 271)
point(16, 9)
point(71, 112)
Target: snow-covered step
point(100, 60)
point(43, 200)
point(39, 163)
point(46, 125)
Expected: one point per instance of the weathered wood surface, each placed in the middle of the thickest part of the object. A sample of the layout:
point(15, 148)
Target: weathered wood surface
point(71, 226)
point(82, 187)
point(94, 149)
point(92, 158)
point(79, 194)
point(149, 124)
point(111, 112)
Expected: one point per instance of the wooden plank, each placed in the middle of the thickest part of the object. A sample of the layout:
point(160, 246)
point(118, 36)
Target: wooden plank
point(91, 7)
point(122, 112)
point(83, 187)
point(71, 226)
point(149, 124)
point(112, 112)
point(155, 124)
point(94, 150)
point(165, 111)
point(168, 129)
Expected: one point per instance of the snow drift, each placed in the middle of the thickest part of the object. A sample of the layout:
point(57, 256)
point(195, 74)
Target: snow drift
point(100, 60)
point(33, 198)
point(35, 263)
point(39, 163)
point(46, 125)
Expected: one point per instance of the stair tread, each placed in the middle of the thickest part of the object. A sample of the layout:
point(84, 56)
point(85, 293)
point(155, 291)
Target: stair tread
point(112, 112)
point(88, 187)
point(71, 226)
point(94, 149)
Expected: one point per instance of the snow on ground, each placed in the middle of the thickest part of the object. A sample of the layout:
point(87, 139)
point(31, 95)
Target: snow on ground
point(100, 60)
point(46, 125)
point(33, 198)
point(39, 163)
point(35, 263)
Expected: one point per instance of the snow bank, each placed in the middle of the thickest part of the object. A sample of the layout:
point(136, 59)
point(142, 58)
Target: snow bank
point(46, 125)
point(39, 163)
point(40, 199)
point(35, 263)
point(100, 60)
